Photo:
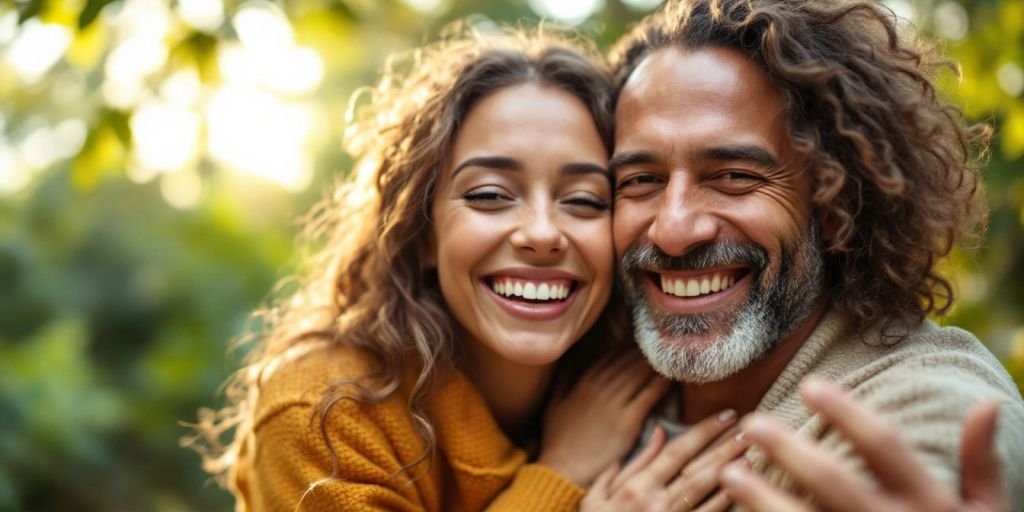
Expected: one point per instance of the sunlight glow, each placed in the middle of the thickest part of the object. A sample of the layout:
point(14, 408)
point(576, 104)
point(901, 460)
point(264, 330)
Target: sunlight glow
point(425, 6)
point(36, 149)
point(261, 25)
point(951, 21)
point(202, 15)
point(902, 8)
point(567, 11)
point(182, 88)
point(642, 5)
point(69, 136)
point(36, 48)
point(181, 189)
point(141, 18)
point(1010, 78)
point(14, 175)
point(166, 137)
point(258, 133)
point(291, 70)
point(8, 26)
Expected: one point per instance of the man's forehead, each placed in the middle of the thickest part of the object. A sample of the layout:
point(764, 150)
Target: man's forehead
point(705, 77)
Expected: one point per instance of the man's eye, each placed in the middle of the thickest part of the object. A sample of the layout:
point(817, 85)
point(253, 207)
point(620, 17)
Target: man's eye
point(738, 175)
point(640, 179)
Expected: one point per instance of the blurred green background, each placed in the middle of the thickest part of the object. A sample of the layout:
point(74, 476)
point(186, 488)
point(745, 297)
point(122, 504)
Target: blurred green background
point(155, 156)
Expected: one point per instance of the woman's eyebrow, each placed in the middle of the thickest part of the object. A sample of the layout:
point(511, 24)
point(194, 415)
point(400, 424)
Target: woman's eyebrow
point(583, 168)
point(491, 162)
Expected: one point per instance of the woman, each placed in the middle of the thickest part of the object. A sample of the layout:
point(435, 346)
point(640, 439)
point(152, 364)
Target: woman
point(469, 256)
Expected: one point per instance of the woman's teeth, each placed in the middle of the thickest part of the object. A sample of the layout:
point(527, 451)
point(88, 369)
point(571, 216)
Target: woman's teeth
point(696, 286)
point(532, 290)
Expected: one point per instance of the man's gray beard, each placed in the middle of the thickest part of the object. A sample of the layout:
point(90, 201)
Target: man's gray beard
point(775, 307)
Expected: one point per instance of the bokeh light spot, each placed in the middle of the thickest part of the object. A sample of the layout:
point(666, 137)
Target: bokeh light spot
point(36, 48)
point(1010, 78)
point(571, 12)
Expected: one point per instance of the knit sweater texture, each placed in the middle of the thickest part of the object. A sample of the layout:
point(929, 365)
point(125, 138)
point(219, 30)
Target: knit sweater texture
point(924, 385)
point(284, 463)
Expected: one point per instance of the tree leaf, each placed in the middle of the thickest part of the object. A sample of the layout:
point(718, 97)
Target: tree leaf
point(91, 12)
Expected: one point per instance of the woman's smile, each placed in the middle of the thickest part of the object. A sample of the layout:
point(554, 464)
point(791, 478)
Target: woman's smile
point(522, 225)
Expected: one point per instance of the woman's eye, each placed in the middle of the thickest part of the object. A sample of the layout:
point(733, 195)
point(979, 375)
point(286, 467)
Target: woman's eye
point(593, 203)
point(486, 196)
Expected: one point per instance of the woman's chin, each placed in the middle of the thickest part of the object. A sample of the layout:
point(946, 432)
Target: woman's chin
point(532, 351)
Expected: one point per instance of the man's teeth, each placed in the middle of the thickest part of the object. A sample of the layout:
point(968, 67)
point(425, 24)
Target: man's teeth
point(696, 286)
point(532, 290)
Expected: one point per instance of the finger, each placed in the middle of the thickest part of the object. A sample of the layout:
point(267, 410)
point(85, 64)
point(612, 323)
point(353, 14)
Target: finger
point(653, 390)
point(642, 459)
point(717, 503)
point(681, 450)
point(631, 379)
point(878, 442)
point(620, 363)
point(719, 454)
point(980, 467)
point(604, 480)
point(700, 477)
point(821, 475)
point(750, 490)
point(598, 369)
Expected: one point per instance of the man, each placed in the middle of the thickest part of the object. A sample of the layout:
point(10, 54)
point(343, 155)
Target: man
point(786, 181)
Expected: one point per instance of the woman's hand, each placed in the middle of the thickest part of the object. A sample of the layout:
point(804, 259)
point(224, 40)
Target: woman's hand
point(676, 476)
point(904, 484)
point(598, 421)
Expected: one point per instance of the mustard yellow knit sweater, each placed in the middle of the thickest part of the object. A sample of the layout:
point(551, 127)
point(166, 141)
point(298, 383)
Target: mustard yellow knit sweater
point(475, 467)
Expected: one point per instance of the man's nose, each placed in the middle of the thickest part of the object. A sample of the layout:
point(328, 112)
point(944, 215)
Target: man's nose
point(683, 220)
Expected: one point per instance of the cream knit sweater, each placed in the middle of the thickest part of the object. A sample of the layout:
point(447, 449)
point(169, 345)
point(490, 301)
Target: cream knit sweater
point(924, 384)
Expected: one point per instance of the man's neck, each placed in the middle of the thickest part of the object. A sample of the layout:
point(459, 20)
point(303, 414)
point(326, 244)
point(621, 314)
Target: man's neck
point(745, 389)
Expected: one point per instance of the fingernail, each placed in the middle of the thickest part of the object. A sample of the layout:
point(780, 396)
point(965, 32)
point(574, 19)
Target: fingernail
point(741, 438)
point(813, 389)
point(732, 476)
point(726, 415)
point(757, 425)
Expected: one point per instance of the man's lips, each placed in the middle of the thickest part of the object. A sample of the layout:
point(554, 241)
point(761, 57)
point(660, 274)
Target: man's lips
point(700, 282)
point(688, 292)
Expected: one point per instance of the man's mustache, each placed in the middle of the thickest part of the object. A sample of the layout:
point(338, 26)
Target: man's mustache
point(710, 255)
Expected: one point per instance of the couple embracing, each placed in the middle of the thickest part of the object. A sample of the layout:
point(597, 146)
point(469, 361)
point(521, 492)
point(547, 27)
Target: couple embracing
point(755, 193)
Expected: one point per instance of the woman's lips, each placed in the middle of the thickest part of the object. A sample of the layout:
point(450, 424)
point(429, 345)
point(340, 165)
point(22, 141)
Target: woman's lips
point(533, 294)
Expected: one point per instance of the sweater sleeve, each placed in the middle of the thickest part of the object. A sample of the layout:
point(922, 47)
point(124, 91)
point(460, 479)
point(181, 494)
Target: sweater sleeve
point(538, 487)
point(927, 397)
point(291, 467)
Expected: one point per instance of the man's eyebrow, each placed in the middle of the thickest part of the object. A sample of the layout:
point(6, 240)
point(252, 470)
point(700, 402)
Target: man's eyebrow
point(748, 153)
point(630, 158)
point(491, 162)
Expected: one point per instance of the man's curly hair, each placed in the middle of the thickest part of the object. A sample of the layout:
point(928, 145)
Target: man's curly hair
point(894, 168)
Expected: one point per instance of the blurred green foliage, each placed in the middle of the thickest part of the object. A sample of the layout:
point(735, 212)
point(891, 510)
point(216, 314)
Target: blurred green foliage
point(123, 276)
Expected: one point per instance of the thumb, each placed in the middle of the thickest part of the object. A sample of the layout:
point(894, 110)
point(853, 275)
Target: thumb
point(980, 471)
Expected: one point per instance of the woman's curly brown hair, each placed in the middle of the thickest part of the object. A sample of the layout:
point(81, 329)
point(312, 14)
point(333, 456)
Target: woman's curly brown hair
point(894, 168)
point(364, 283)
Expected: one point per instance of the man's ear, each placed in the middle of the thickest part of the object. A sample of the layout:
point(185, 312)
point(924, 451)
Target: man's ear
point(828, 225)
